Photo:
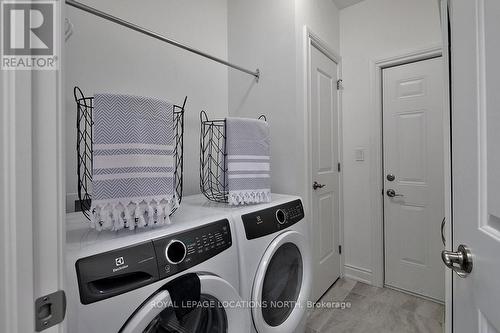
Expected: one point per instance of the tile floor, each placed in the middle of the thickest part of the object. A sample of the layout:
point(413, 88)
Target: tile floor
point(373, 309)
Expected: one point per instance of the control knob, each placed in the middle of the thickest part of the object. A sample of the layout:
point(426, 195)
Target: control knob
point(175, 252)
point(281, 216)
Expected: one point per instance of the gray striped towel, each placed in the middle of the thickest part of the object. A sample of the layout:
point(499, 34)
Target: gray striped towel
point(133, 180)
point(248, 158)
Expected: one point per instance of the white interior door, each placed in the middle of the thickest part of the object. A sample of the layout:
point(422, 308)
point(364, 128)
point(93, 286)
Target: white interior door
point(324, 153)
point(475, 75)
point(413, 176)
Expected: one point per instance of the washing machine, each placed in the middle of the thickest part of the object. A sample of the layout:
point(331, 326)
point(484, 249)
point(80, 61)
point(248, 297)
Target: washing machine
point(178, 278)
point(275, 261)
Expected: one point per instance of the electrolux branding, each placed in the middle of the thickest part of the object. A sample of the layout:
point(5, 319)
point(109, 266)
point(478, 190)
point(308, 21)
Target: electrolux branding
point(120, 263)
point(28, 36)
point(119, 268)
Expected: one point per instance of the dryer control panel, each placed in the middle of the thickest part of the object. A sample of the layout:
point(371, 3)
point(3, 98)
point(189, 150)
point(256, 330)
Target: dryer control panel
point(121, 270)
point(270, 220)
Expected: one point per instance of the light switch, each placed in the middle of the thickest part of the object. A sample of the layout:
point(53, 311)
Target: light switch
point(359, 154)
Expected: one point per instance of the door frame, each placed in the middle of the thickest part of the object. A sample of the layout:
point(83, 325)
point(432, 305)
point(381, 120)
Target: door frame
point(17, 273)
point(376, 165)
point(312, 40)
point(32, 189)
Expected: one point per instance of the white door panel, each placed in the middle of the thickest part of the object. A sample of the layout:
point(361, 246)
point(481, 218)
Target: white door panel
point(326, 241)
point(324, 144)
point(476, 161)
point(413, 153)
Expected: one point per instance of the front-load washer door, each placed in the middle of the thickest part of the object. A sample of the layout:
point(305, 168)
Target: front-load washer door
point(216, 314)
point(282, 284)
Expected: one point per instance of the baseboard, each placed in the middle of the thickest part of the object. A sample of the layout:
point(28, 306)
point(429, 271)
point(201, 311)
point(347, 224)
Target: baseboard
point(432, 299)
point(358, 274)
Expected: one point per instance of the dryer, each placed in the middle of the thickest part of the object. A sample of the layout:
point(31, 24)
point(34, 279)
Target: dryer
point(125, 281)
point(275, 261)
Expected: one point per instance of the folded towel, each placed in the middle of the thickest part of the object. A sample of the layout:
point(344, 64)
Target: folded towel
point(133, 164)
point(248, 160)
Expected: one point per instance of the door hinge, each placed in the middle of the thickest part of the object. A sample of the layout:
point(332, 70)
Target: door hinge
point(338, 167)
point(50, 310)
point(339, 84)
point(340, 249)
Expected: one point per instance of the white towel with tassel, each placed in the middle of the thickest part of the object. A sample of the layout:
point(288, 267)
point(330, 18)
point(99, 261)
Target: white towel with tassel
point(248, 161)
point(133, 162)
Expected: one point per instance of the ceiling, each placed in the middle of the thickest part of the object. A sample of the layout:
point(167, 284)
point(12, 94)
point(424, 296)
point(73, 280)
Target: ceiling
point(345, 3)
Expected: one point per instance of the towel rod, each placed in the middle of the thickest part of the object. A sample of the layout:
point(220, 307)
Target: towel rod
point(153, 34)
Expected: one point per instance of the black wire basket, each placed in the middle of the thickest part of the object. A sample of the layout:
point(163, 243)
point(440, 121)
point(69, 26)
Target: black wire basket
point(84, 109)
point(213, 164)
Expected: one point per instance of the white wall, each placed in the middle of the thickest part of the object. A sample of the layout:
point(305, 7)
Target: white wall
point(372, 30)
point(262, 34)
point(104, 57)
point(269, 35)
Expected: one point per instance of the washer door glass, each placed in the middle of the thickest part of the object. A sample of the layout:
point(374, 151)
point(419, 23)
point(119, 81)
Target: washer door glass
point(208, 317)
point(282, 284)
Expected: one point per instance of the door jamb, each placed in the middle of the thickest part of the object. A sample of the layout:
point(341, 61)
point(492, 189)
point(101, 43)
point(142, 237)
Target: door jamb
point(376, 167)
point(448, 170)
point(313, 40)
point(16, 181)
point(32, 230)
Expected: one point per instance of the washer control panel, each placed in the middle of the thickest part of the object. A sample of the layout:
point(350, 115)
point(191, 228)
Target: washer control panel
point(270, 220)
point(181, 251)
point(121, 270)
